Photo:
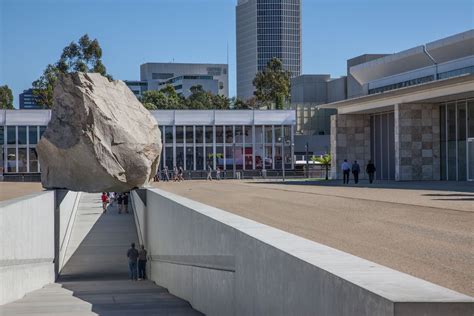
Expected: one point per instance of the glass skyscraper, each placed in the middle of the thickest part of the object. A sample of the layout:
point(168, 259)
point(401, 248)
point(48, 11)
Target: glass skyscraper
point(266, 29)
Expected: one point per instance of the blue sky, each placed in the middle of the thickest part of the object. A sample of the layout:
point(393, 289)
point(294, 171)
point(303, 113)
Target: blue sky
point(34, 32)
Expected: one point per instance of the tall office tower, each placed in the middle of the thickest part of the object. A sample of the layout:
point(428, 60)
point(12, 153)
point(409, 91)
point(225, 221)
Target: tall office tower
point(266, 29)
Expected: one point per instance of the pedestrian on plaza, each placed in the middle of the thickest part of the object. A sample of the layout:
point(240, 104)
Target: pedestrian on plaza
point(105, 201)
point(125, 202)
point(142, 258)
point(180, 174)
point(218, 173)
point(132, 255)
point(175, 174)
point(156, 178)
point(346, 169)
point(209, 172)
point(370, 169)
point(356, 171)
point(112, 198)
point(119, 202)
point(166, 174)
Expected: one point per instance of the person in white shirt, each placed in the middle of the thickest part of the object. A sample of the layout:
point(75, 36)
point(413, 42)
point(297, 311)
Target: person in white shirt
point(346, 170)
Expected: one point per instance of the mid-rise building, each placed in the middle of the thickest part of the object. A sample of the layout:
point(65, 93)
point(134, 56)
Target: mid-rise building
point(212, 77)
point(411, 113)
point(266, 29)
point(28, 101)
point(137, 87)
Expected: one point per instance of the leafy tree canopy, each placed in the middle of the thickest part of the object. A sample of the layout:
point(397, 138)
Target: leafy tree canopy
point(272, 84)
point(83, 56)
point(6, 98)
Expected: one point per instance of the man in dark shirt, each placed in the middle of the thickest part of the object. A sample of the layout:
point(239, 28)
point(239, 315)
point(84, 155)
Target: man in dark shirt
point(356, 171)
point(142, 258)
point(132, 255)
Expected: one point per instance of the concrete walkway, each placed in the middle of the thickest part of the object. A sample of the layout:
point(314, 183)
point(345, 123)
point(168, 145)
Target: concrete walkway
point(95, 279)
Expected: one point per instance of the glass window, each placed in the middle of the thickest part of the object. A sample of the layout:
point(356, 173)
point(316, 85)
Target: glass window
point(189, 135)
point(470, 121)
point(287, 157)
point(462, 168)
point(442, 116)
point(239, 158)
point(33, 135)
point(278, 157)
point(451, 123)
point(11, 135)
point(179, 135)
point(33, 160)
point(229, 138)
point(220, 159)
point(268, 157)
point(259, 156)
point(169, 158)
point(179, 156)
point(219, 134)
point(209, 135)
point(210, 156)
point(199, 135)
point(248, 134)
point(229, 156)
point(248, 157)
point(199, 158)
point(258, 134)
point(278, 136)
point(268, 134)
point(168, 135)
point(22, 135)
point(11, 160)
point(238, 134)
point(287, 134)
point(189, 157)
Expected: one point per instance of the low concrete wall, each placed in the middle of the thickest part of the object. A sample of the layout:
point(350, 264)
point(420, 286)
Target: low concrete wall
point(34, 232)
point(224, 264)
point(67, 210)
point(26, 245)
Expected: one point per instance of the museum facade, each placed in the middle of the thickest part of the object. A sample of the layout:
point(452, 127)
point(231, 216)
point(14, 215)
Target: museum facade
point(413, 116)
point(192, 139)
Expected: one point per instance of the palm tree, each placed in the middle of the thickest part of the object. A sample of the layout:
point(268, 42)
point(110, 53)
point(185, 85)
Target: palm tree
point(324, 160)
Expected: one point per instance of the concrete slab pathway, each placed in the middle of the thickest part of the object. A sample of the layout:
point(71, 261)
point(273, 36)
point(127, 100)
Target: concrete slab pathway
point(95, 280)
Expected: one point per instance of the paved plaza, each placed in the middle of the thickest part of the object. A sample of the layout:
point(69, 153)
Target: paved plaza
point(420, 228)
point(12, 190)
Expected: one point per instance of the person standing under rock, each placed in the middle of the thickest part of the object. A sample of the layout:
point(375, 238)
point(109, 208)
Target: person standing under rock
point(370, 169)
point(356, 171)
point(105, 201)
point(119, 202)
point(125, 202)
point(346, 169)
point(132, 255)
point(142, 258)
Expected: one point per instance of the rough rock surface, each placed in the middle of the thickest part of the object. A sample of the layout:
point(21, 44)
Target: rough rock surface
point(99, 138)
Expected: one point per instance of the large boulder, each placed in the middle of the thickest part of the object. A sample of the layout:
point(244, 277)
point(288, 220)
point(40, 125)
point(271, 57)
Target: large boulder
point(99, 138)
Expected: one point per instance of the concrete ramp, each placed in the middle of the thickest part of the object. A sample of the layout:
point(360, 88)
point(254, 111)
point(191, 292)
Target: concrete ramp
point(94, 281)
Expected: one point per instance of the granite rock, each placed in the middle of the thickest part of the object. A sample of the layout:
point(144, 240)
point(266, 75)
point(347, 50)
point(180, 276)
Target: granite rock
point(99, 138)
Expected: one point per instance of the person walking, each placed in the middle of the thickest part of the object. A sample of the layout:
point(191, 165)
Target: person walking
point(175, 174)
point(356, 171)
point(105, 201)
point(125, 202)
point(180, 174)
point(218, 173)
point(119, 202)
point(142, 258)
point(370, 169)
point(132, 255)
point(209, 172)
point(166, 174)
point(346, 169)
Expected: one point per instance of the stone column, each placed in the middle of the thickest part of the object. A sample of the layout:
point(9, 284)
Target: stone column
point(350, 139)
point(417, 142)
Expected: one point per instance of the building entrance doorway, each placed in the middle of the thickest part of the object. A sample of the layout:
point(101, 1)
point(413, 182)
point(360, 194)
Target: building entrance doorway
point(470, 159)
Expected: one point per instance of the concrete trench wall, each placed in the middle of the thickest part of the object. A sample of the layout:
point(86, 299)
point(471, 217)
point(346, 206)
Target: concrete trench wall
point(29, 235)
point(224, 264)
